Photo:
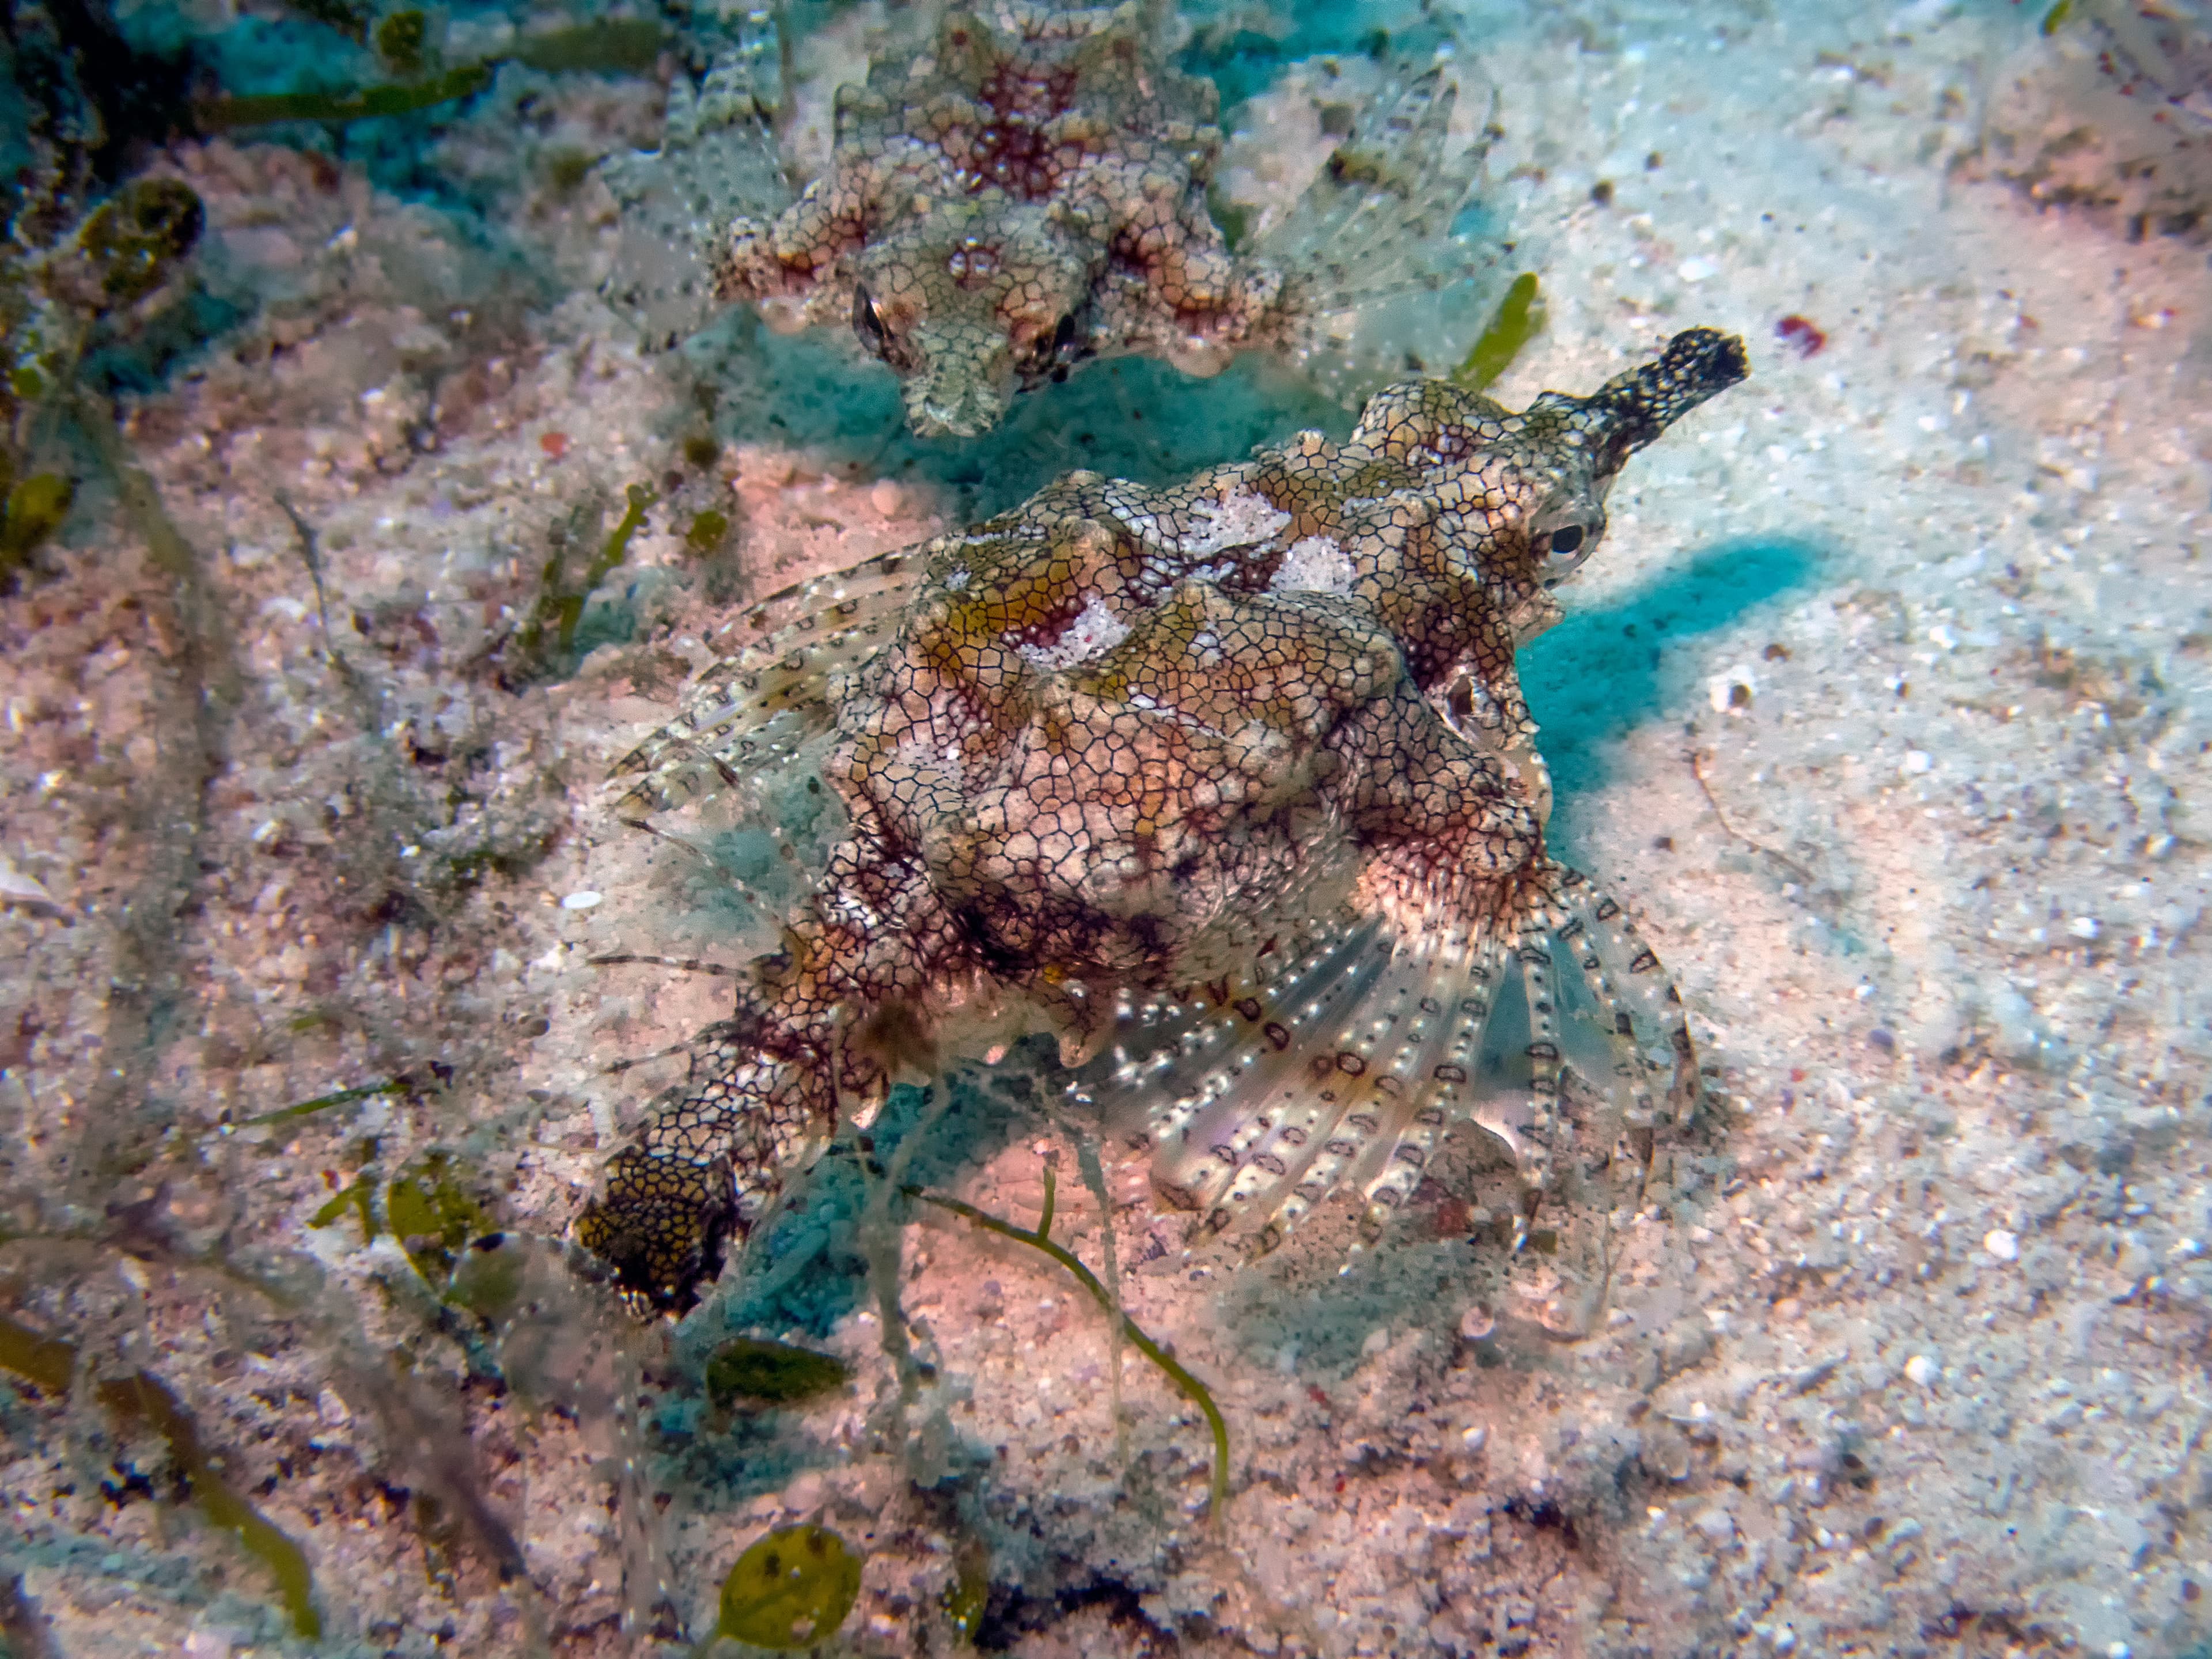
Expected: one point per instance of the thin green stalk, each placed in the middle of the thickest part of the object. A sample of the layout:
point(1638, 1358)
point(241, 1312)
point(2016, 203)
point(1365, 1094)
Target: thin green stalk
point(1191, 1388)
point(322, 1102)
point(392, 98)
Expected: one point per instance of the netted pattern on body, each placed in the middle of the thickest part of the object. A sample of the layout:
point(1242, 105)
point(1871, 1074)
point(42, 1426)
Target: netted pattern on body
point(1230, 783)
point(1031, 190)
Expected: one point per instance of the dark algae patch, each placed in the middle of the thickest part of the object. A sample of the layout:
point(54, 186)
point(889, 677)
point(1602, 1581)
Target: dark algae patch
point(611, 46)
point(429, 1207)
point(395, 97)
point(34, 510)
point(753, 1370)
point(551, 632)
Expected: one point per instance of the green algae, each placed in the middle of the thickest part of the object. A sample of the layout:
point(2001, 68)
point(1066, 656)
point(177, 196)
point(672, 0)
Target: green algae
point(967, 1596)
point(143, 1396)
point(618, 45)
point(1040, 1239)
point(360, 104)
point(45, 1360)
point(560, 601)
point(396, 1085)
point(793, 1587)
point(403, 40)
point(751, 1368)
point(707, 532)
point(429, 1207)
point(35, 509)
point(2054, 19)
point(360, 1198)
point(434, 1215)
point(50, 1365)
point(135, 238)
point(627, 45)
point(566, 169)
point(60, 297)
point(1519, 318)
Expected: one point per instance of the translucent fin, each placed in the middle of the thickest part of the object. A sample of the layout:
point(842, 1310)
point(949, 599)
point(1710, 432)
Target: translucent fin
point(1173, 1056)
point(1261, 1096)
point(718, 162)
point(1586, 973)
point(1377, 223)
point(756, 707)
point(1344, 1064)
point(1641, 1006)
point(1409, 1073)
point(1533, 956)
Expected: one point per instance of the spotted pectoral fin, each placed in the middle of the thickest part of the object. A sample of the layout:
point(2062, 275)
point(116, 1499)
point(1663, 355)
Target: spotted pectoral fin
point(1341, 1066)
point(756, 707)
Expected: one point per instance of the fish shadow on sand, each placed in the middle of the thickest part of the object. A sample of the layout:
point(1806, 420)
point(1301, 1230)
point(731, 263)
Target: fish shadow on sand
point(1607, 670)
point(1128, 417)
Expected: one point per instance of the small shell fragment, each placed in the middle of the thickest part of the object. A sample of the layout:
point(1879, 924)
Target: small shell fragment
point(17, 888)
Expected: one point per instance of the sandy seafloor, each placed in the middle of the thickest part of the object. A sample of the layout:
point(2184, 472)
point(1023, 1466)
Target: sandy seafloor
point(1885, 706)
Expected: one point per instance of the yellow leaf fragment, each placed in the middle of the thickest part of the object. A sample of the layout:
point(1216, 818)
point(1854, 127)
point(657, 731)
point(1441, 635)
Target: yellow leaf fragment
point(791, 1589)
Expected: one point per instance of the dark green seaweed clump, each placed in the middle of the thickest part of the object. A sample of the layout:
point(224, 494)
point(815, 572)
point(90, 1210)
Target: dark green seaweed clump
point(770, 1373)
point(71, 283)
point(135, 238)
point(792, 1589)
point(549, 637)
point(34, 510)
point(429, 1207)
point(621, 45)
point(707, 532)
point(627, 45)
point(395, 97)
point(403, 40)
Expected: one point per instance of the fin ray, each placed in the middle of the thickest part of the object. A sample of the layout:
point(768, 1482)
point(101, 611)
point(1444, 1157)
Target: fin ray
point(718, 162)
point(757, 707)
point(1376, 225)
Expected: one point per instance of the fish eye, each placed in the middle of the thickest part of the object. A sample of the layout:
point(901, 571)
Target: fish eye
point(1558, 552)
point(1053, 351)
point(867, 324)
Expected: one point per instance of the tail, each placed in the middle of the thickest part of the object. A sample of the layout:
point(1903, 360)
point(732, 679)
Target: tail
point(717, 161)
point(709, 1162)
point(1378, 225)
